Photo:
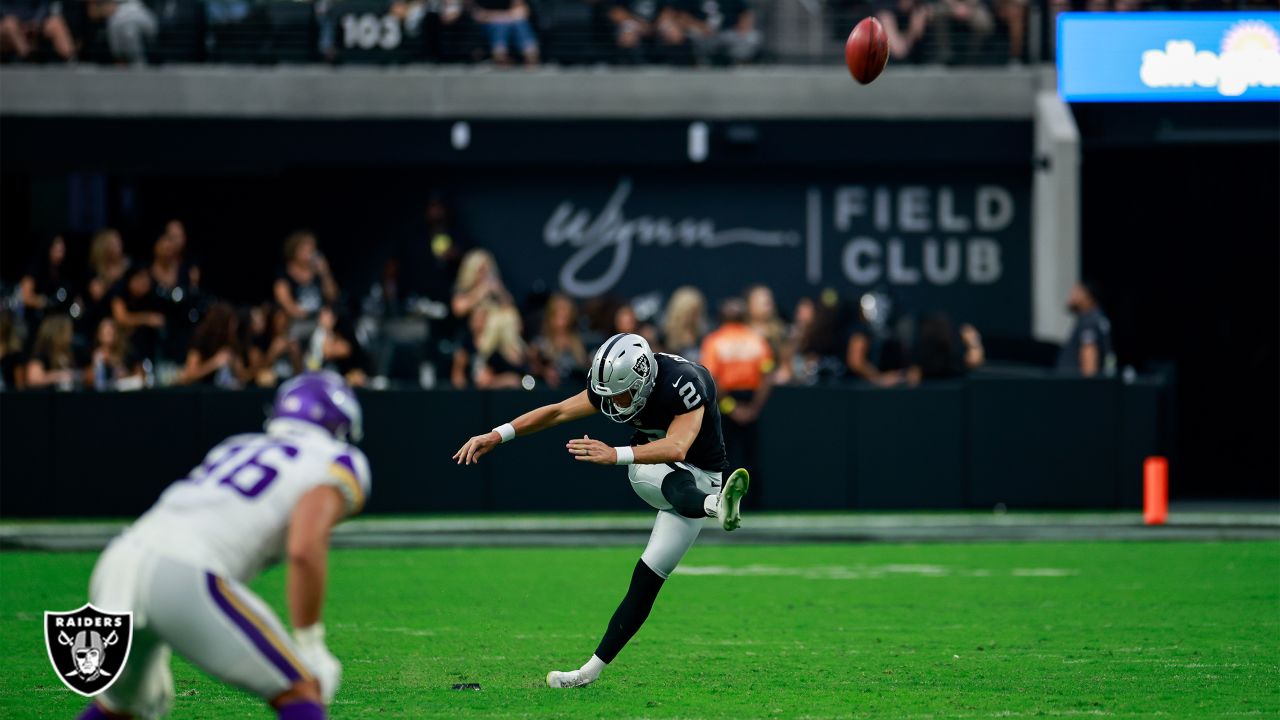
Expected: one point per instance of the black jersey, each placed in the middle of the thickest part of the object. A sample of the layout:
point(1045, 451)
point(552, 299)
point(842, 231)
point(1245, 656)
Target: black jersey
point(680, 386)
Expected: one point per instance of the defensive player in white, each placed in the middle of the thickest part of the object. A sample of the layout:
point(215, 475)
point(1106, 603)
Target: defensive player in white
point(675, 463)
point(256, 500)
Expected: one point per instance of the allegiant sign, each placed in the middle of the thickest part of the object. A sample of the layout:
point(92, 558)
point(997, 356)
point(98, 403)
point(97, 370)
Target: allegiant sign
point(1169, 57)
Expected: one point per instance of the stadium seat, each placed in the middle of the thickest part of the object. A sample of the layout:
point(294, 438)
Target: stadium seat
point(293, 37)
point(181, 36)
point(570, 31)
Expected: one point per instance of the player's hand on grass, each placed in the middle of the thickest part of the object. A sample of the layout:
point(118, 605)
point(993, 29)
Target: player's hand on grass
point(477, 447)
point(592, 451)
point(316, 656)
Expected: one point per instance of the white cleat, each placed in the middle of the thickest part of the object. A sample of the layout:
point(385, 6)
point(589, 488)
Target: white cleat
point(571, 679)
point(731, 499)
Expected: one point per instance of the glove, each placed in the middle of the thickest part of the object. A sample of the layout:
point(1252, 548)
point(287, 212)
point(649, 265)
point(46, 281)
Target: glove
point(318, 659)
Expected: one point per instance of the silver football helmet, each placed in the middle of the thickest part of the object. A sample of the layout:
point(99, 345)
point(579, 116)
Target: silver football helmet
point(623, 363)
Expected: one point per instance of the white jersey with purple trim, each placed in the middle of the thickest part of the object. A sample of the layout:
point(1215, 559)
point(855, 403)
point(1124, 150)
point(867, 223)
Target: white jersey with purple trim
point(231, 514)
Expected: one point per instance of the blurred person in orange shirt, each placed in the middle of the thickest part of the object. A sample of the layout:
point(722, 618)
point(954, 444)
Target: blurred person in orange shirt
point(742, 363)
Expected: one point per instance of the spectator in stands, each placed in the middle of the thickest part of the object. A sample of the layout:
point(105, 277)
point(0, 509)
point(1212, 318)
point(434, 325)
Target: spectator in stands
point(494, 355)
point(762, 316)
point(25, 23)
point(685, 322)
point(720, 30)
point(790, 359)
point(267, 352)
point(107, 267)
point(1087, 351)
point(479, 282)
point(173, 283)
point(176, 231)
point(46, 287)
point(332, 346)
point(139, 312)
point(52, 361)
point(1014, 15)
point(131, 28)
point(214, 356)
point(942, 353)
point(460, 375)
point(905, 23)
point(13, 362)
point(817, 349)
point(862, 353)
point(559, 355)
point(305, 284)
point(506, 22)
point(647, 30)
point(625, 320)
point(741, 362)
point(429, 263)
point(961, 28)
point(111, 361)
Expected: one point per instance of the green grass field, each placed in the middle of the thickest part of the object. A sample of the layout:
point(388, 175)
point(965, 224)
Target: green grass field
point(1175, 630)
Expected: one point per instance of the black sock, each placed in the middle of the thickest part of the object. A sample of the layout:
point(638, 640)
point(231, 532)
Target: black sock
point(682, 492)
point(631, 613)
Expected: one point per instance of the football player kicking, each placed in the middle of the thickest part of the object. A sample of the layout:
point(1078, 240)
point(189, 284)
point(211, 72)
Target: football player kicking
point(180, 568)
point(675, 465)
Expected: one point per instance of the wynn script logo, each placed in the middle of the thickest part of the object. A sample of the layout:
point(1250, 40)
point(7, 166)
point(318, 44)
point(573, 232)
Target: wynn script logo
point(610, 232)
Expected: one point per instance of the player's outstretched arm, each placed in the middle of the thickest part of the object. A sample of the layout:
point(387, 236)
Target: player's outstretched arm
point(672, 448)
point(307, 549)
point(547, 416)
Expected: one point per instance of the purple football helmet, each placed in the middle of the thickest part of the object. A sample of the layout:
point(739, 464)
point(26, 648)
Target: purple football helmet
point(322, 399)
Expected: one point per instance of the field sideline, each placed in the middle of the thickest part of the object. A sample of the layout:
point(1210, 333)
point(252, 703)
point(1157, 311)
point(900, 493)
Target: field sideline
point(1169, 629)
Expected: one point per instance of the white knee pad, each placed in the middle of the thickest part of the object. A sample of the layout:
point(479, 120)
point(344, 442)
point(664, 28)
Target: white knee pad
point(646, 481)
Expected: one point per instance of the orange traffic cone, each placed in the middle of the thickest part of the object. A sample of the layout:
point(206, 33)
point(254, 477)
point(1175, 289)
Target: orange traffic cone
point(1155, 486)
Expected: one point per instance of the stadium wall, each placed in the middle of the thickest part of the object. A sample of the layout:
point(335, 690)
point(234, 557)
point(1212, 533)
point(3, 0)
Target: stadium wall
point(973, 444)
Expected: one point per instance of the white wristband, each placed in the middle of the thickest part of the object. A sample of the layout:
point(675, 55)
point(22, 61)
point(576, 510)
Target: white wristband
point(626, 455)
point(507, 432)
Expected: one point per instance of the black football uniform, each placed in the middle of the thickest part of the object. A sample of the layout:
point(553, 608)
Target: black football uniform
point(680, 386)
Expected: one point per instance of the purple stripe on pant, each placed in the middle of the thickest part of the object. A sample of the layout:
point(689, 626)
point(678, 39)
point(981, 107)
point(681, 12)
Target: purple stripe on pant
point(247, 627)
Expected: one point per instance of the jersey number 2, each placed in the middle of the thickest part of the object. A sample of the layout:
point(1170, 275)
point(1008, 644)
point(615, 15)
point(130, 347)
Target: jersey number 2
point(689, 395)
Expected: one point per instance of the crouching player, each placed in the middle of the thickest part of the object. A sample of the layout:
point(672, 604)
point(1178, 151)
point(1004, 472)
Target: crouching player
point(676, 459)
point(181, 568)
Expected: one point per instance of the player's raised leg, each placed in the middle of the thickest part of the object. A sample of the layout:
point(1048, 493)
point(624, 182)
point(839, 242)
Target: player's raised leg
point(692, 493)
point(671, 538)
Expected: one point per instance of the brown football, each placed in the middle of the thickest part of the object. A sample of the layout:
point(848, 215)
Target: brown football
point(867, 50)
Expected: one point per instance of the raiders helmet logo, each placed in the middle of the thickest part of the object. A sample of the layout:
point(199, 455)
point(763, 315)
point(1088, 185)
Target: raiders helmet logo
point(88, 647)
point(641, 367)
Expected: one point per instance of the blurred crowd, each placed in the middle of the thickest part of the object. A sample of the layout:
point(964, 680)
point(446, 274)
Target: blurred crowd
point(506, 32)
point(438, 313)
point(439, 310)
point(126, 325)
point(509, 32)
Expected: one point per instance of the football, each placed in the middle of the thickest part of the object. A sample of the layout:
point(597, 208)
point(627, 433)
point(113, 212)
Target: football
point(866, 52)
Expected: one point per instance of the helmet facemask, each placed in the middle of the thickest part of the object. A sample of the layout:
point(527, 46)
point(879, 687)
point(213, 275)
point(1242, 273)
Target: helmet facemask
point(639, 390)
